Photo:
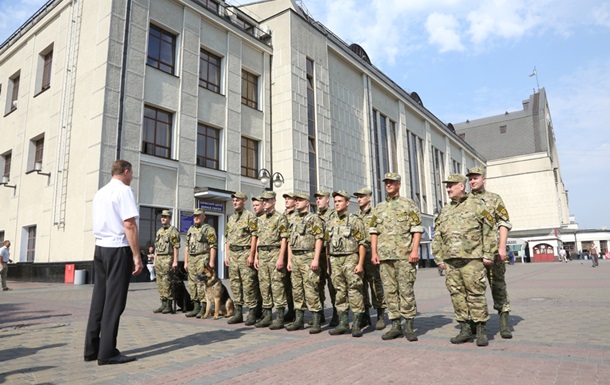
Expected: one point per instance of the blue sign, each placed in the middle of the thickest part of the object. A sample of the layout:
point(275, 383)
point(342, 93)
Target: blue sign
point(186, 221)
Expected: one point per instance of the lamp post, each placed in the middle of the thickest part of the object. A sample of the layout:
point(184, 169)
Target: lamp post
point(268, 180)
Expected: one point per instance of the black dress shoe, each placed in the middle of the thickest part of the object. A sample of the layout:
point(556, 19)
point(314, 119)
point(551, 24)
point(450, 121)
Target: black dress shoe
point(118, 359)
point(90, 358)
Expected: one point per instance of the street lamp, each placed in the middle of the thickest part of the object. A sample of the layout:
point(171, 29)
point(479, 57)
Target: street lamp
point(4, 183)
point(277, 179)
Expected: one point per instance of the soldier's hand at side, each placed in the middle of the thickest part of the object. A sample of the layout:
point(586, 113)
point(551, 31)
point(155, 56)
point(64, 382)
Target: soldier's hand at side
point(175, 265)
point(227, 261)
point(256, 263)
point(279, 265)
point(442, 266)
point(414, 257)
point(488, 262)
point(502, 255)
point(250, 260)
point(289, 266)
point(186, 266)
point(375, 259)
point(314, 265)
point(212, 264)
point(358, 269)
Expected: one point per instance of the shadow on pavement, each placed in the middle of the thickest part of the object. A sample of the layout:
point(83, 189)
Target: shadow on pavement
point(4, 375)
point(15, 353)
point(10, 317)
point(423, 324)
point(493, 325)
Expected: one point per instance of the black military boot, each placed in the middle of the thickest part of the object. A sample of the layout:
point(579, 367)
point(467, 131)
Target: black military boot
point(195, 311)
point(504, 328)
point(289, 316)
point(465, 334)
point(259, 311)
point(168, 307)
point(409, 333)
point(356, 326)
point(251, 319)
point(343, 326)
point(394, 332)
point(278, 323)
point(366, 318)
point(333, 321)
point(160, 309)
point(201, 310)
point(315, 325)
point(238, 317)
point(265, 321)
point(380, 324)
point(482, 334)
point(298, 322)
point(473, 327)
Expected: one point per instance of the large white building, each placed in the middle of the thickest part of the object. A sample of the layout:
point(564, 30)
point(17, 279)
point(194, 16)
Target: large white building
point(200, 97)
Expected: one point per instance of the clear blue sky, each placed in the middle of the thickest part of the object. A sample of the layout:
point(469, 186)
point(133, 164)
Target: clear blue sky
point(468, 59)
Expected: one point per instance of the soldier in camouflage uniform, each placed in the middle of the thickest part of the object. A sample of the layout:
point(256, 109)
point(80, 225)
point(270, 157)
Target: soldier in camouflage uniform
point(257, 205)
point(346, 240)
point(200, 251)
point(324, 212)
point(167, 244)
point(395, 235)
point(497, 238)
point(304, 253)
point(241, 232)
point(290, 213)
point(459, 247)
point(271, 246)
point(372, 278)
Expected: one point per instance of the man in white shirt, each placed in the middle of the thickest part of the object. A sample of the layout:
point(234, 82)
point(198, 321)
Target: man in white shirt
point(116, 258)
point(5, 258)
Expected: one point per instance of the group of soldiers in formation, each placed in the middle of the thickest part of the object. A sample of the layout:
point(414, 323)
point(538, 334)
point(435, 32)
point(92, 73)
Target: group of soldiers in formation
point(367, 259)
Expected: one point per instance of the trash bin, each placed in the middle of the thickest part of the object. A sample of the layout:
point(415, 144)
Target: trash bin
point(69, 273)
point(80, 277)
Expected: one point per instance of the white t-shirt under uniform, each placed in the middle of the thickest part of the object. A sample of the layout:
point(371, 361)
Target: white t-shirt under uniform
point(112, 205)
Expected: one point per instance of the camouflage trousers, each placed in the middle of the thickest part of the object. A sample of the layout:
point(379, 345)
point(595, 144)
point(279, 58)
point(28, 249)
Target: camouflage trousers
point(305, 283)
point(347, 283)
point(496, 277)
point(271, 280)
point(465, 281)
point(163, 268)
point(244, 280)
point(372, 287)
point(324, 279)
point(398, 278)
point(195, 266)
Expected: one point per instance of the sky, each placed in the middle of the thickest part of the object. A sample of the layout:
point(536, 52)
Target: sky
point(469, 59)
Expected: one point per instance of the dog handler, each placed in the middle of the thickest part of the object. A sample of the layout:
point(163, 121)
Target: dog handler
point(167, 244)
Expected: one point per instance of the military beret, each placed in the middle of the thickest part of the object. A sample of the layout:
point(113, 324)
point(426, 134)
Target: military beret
point(455, 178)
point(391, 176)
point(198, 212)
point(269, 195)
point(239, 195)
point(476, 171)
point(342, 193)
point(363, 191)
point(322, 193)
point(257, 198)
point(166, 213)
point(288, 195)
point(303, 196)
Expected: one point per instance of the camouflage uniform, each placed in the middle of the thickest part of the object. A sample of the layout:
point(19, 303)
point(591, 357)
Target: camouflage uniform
point(372, 278)
point(240, 229)
point(167, 239)
point(199, 241)
point(496, 273)
point(272, 229)
point(394, 221)
point(305, 229)
point(290, 215)
point(344, 235)
point(458, 242)
point(324, 276)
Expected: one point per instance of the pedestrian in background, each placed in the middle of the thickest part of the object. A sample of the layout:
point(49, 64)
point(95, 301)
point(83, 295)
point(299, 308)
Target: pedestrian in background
point(5, 259)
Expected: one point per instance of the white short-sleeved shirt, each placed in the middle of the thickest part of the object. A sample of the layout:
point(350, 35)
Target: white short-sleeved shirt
point(112, 205)
point(5, 253)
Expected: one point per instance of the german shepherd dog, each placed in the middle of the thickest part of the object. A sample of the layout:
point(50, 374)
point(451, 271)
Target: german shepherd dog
point(216, 293)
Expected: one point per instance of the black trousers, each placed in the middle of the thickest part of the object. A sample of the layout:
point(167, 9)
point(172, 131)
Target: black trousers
point(113, 268)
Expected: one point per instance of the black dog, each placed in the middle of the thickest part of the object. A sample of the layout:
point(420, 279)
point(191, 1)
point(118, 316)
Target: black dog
point(182, 298)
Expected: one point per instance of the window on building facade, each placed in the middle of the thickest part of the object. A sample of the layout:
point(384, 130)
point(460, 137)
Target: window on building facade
point(7, 165)
point(383, 142)
point(46, 71)
point(456, 166)
point(209, 71)
point(39, 150)
point(1, 237)
point(249, 89)
point(502, 129)
point(150, 222)
point(157, 135)
point(376, 154)
point(208, 146)
point(30, 251)
point(161, 49)
point(209, 4)
point(438, 174)
point(249, 157)
point(243, 24)
point(393, 147)
point(414, 169)
point(15, 93)
point(311, 128)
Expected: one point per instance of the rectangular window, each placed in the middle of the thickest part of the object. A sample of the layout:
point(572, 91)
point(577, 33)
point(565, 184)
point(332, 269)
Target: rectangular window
point(157, 135)
point(311, 128)
point(209, 4)
point(503, 129)
point(7, 166)
point(46, 71)
point(383, 131)
point(438, 175)
point(457, 166)
point(375, 139)
point(393, 147)
point(161, 49)
point(39, 150)
point(209, 71)
point(31, 243)
point(208, 146)
point(249, 157)
point(249, 89)
point(414, 169)
point(15, 94)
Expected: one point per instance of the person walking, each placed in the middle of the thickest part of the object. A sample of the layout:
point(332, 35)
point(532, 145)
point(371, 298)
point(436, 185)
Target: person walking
point(116, 259)
point(594, 255)
point(5, 259)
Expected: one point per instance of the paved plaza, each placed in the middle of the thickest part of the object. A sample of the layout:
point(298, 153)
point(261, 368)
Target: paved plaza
point(561, 320)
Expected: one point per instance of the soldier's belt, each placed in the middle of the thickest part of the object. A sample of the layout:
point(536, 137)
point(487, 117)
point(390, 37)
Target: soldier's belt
point(341, 254)
point(301, 252)
point(460, 262)
point(198, 254)
point(163, 255)
point(239, 248)
point(269, 247)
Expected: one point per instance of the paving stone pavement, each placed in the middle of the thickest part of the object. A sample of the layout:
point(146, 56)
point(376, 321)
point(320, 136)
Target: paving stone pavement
point(561, 317)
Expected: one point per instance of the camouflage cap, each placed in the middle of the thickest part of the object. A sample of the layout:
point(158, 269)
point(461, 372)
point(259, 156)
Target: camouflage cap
point(363, 191)
point(288, 195)
point(269, 195)
point(197, 212)
point(302, 196)
point(455, 178)
point(239, 195)
point(322, 193)
point(257, 198)
point(391, 176)
point(342, 193)
point(476, 171)
point(166, 213)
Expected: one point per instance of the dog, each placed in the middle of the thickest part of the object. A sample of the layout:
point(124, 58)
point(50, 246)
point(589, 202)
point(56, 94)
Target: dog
point(182, 298)
point(216, 293)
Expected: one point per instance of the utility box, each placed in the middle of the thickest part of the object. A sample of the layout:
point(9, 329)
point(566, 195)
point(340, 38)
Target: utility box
point(69, 273)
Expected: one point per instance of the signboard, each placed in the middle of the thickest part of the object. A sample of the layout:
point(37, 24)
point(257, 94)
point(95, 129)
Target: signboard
point(186, 220)
point(212, 206)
